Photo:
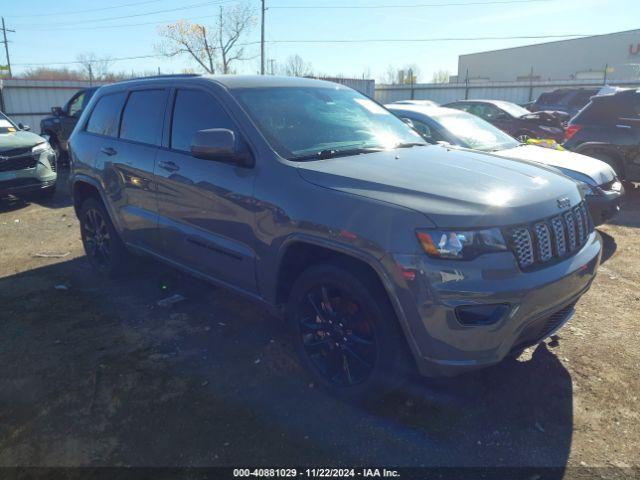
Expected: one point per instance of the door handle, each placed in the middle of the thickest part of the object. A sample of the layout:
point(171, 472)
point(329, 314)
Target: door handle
point(109, 151)
point(169, 166)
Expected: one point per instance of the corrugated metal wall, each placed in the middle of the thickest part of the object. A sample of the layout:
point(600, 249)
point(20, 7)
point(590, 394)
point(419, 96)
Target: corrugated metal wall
point(28, 101)
point(518, 92)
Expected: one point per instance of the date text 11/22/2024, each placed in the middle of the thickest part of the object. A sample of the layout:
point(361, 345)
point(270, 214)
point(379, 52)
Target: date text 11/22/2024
point(315, 473)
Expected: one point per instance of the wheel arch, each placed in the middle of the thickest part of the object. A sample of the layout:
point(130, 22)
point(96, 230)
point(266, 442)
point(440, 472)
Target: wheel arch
point(83, 187)
point(300, 247)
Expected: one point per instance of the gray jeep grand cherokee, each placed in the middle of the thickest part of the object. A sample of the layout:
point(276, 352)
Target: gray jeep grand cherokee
point(383, 253)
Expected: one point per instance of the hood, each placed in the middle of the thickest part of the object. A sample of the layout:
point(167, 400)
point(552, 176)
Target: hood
point(19, 139)
point(453, 188)
point(597, 171)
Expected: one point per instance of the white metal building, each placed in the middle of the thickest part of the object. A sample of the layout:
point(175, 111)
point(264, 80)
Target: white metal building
point(576, 59)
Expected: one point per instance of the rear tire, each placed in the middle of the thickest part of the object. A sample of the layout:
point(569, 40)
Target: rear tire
point(346, 334)
point(102, 244)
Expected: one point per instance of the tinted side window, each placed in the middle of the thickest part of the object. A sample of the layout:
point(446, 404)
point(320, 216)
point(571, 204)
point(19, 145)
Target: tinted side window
point(195, 110)
point(106, 115)
point(143, 116)
point(75, 107)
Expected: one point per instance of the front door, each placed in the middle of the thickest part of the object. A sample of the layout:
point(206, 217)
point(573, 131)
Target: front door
point(206, 208)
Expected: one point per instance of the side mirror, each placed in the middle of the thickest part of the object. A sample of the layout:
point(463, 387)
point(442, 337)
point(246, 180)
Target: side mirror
point(219, 144)
point(26, 128)
point(57, 111)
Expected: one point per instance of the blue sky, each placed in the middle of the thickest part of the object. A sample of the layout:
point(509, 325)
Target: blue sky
point(57, 32)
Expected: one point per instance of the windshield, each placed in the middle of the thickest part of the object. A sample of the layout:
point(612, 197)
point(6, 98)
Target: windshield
point(304, 123)
point(512, 109)
point(474, 132)
point(6, 125)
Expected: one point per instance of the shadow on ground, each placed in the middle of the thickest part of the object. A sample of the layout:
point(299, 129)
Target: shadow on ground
point(94, 372)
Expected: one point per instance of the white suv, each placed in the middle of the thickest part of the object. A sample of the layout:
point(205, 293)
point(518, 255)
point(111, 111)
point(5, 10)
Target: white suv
point(27, 162)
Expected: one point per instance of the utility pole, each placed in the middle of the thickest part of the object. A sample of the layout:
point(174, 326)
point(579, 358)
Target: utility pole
point(6, 45)
point(272, 69)
point(262, 40)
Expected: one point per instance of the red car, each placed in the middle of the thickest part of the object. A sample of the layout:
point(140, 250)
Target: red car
point(515, 120)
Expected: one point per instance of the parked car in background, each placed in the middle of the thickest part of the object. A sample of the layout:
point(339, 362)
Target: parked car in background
point(608, 128)
point(270, 186)
point(514, 119)
point(60, 124)
point(568, 100)
point(27, 162)
point(597, 179)
point(426, 103)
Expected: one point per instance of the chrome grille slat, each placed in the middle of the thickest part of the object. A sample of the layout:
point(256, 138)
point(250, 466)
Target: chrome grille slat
point(580, 223)
point(523, 247)
point(550, 238)
point(571, 230)
point(559, 235)
point(544, 241)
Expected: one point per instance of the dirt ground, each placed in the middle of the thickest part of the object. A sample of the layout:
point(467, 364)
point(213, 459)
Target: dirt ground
point(94, 372)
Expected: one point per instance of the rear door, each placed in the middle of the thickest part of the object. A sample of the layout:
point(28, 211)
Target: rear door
point(126, 130)
point(206, 207)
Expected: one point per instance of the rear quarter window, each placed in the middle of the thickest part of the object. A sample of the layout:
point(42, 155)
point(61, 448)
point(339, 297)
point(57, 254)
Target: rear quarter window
point(105, 116)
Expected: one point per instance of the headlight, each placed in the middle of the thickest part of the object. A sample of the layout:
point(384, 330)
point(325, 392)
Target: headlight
point(41, 148)
point(587, 189)
point(616, 186)
point(461, 245)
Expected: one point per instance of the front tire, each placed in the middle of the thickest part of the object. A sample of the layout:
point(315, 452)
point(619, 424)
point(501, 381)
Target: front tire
point(102, 244)
point(346, 333)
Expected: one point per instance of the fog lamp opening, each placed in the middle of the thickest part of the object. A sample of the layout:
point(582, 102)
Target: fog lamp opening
point(472, 315)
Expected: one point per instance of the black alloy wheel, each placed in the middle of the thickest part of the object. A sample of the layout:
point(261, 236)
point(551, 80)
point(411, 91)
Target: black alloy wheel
point(337, 336)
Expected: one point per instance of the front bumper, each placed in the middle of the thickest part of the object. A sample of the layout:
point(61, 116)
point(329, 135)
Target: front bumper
point(539, 301)
point(33, 178)
point(605, 206)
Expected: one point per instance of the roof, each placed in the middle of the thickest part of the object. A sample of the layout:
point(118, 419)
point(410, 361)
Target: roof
point(554, 42)
point(233, 82)
point(427, 110)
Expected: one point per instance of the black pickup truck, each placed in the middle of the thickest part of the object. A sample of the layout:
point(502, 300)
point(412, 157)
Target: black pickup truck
point(60, 124)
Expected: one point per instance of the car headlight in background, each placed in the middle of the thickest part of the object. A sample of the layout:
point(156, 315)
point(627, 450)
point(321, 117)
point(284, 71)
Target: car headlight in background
point(41, 148)
point(461, 244)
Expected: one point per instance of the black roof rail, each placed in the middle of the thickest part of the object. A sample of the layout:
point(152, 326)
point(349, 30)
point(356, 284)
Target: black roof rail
point(166, 75)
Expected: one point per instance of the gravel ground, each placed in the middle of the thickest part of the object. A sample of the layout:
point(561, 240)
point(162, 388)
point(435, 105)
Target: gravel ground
point(94, 372)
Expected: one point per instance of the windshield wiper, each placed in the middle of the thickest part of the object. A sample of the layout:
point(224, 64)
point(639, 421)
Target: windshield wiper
point(410, 144)
point(330, 153)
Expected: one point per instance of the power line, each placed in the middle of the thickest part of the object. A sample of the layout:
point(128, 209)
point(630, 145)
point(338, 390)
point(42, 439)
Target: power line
point(434, 39)
point(417, 5)
point(185, 7)
point(76, 12)
point(366, 40)
point(124, 25)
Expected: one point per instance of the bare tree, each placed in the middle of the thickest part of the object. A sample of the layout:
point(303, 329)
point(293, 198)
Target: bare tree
point(213, 48)
point(232, 24)
point(389, 76)
point(441, 76)
point(96, 68)
point(183, 37)
point(295, 66)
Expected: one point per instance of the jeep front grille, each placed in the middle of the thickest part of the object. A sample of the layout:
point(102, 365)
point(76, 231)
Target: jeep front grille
point(550, 238)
